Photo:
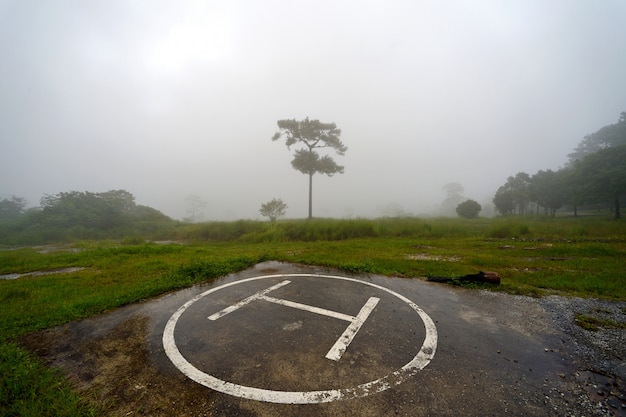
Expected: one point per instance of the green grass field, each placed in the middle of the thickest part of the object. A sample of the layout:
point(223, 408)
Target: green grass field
point(534, 256)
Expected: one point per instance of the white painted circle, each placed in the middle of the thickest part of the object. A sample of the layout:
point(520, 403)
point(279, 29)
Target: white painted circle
point(421, 359)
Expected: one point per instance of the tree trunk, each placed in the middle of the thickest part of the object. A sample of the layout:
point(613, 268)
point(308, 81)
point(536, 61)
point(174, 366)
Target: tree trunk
point(617, 212)
point(310, 196)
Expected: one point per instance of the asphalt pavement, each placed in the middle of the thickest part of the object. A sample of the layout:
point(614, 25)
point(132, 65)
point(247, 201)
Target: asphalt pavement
point(282, 339)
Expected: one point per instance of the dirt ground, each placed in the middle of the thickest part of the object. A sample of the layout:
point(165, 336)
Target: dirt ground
point(497, 354)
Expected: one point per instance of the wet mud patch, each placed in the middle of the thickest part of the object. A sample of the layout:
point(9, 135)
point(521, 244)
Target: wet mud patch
point(115, 370)
point(428, 257)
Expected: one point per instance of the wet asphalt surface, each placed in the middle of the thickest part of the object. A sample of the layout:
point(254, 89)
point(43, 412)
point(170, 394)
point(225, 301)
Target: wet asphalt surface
point(493, 354)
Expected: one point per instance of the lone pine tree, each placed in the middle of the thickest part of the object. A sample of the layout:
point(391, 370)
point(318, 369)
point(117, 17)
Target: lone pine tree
point(312, 135)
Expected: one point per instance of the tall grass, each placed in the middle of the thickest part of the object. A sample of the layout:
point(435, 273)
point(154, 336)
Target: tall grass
point(532, 227)
point(29, 389)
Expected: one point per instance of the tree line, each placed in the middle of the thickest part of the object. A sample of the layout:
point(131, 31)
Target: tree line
point(78, 215)
point(595, 176)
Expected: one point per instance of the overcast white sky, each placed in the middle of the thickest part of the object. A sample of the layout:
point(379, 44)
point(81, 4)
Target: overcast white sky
point(168, 99)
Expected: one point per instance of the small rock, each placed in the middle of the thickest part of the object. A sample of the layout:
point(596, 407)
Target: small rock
point(615, 403)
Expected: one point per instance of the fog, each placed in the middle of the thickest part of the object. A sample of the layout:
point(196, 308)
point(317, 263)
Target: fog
point(171, 99)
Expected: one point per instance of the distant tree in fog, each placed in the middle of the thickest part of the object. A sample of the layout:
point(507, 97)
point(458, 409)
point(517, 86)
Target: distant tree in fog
point(468, 209)
point(195, 204)
point(273, 209)
point(548, 189)
point(607, 137)
point(604, 174)
point(12, 208)
point(313, 135)
point(453, 189)
point(394, 210)
point(454, 196)
point(504, 201)
point(515, 194)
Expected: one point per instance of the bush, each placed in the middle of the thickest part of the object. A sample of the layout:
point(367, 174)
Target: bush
point(468, 209)
point(273, 209)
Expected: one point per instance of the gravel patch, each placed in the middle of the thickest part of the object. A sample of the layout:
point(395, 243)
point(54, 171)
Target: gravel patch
point(599, 384)
point(602, 352)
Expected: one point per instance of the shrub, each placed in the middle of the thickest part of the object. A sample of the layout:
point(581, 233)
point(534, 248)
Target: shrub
point(468, 209)
point(273, 209)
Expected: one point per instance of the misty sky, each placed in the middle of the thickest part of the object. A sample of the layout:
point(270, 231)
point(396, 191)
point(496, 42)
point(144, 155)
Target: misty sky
point(169, 99)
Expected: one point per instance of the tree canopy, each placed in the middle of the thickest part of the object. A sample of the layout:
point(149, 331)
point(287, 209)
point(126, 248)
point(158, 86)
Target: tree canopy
point(606, 137)
point(11, 208)
point(596, 175)
point(312, 135)
point(604, 174)
point(513, 195)
point(80, 215)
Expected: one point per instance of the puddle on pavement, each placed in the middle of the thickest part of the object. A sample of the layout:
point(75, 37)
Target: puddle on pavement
point(604, 389)
point(40, 273)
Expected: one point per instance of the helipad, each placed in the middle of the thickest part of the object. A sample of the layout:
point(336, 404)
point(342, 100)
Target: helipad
point(283, 339)
point(297, 316)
